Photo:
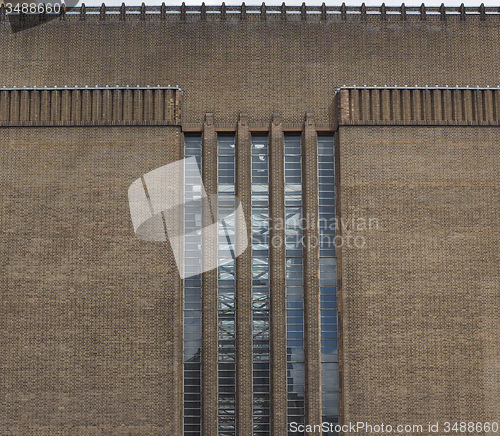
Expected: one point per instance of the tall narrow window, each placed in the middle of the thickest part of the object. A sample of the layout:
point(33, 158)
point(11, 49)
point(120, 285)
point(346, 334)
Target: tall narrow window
point(294, 279)
point(192, 305)
point(328, 280)
point(260, 285)
point(226, 287)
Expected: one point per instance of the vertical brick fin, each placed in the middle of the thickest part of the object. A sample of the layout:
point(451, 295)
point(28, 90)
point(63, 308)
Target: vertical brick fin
point(209, 284)
point(158, 104)
point(442, 11)
point(244, 336)
point(277, 279)
point(34, 106)
point(243, 11)
point(386, 106)
point(178, 106)
point(323, 12)
point(183, 11)
point(439, 103)
point(123, 12)
point(376, 107)
point(431, 106)
point(24, 106)
point(83, 12)
point(423, 13)
point(447, 105)
point(467, 105)
point(148, 105)
point(363, 11)
point(427, 105)
point(86, 105)
point(365, 104)
point(163, 11)
point(303, 12)
point(127, 104)
point(203, 12)
point(311, 278)
point(14, 106)
point(138, 105)
point(55, 106)
point(76, 105)
point(418, 105)
point(354, 104)
point(223, 11)
point(107, 106)
point(263, 12)
point(496, 106)
point(396, 106)
point(403, 12)
point(283, 11)
point(175, 289)
point(343, 12)
point(45, 106)
point(489, 114)
point(345, 97)
point(118, 106)
point(4, 106)
point(482, 12)
point(477, 98)
point(406, 105)
point(96, 106)
point(66, 105)
point(169, 105)
point(383, 12)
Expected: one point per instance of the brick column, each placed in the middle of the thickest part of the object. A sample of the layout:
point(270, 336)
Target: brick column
point(244, 396)
point(277, 260)
point(311, 274)
point(209, 285)
point(173, 309)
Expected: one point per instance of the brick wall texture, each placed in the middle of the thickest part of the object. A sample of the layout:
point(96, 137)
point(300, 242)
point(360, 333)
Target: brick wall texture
point(254, 66)
point(88, 309)
point(420, 300)
point(91, 317)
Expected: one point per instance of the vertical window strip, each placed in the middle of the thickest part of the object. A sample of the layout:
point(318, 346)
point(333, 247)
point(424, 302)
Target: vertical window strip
point(226, 287)
point(294, 279)
point(192, 306)
point(328, 280)
point(260, 285)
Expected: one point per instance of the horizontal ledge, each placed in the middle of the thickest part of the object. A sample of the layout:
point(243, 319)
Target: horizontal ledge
point(89, 88)
point(90, 124)
point(263, 10)
point(411, 123)
point(425, 87)
point(255, 128)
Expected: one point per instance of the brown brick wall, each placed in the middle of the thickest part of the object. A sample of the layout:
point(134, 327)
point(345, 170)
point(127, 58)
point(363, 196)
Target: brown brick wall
point(244, 336)
point(209, 294)
point(420, 300)
point(311, 273)
point(89, 312)
point(277, 268)
point(255, 66)
point(431, 276)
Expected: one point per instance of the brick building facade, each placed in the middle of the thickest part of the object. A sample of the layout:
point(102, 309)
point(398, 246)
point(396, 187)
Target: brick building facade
point(94, 320)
